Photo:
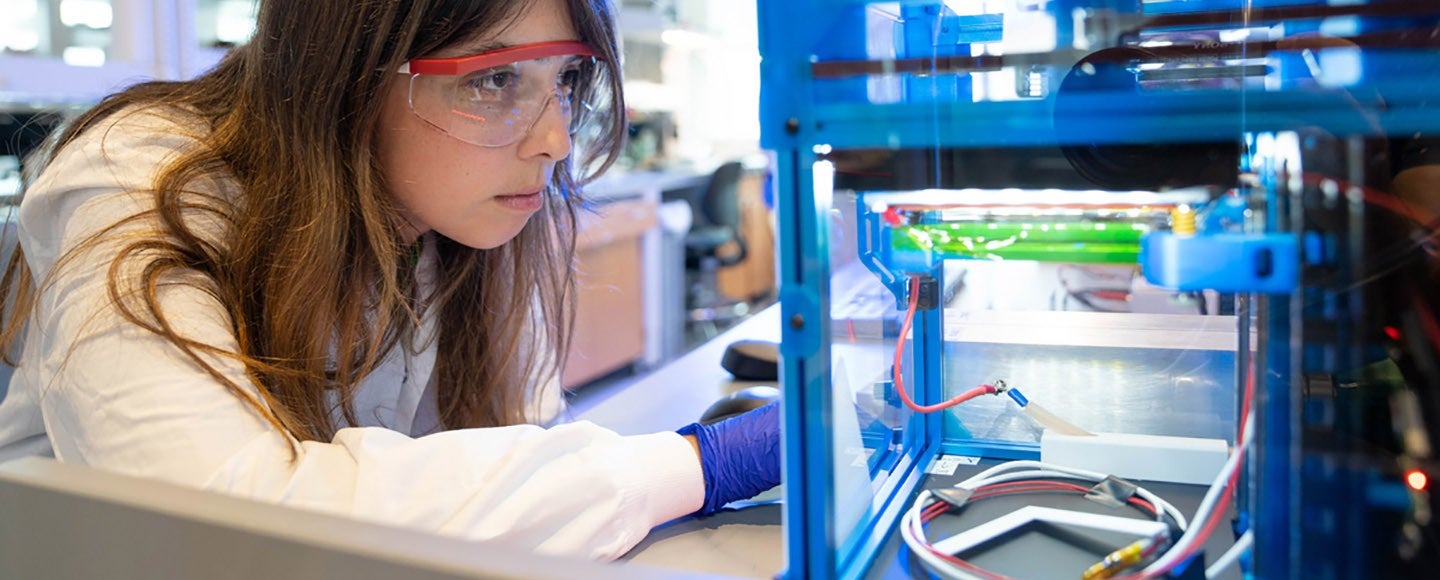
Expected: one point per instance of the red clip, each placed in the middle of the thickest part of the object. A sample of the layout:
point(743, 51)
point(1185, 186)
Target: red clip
point(892, 217)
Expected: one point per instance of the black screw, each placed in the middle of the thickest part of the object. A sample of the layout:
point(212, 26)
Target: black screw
point(792, 126)
point(797, 322)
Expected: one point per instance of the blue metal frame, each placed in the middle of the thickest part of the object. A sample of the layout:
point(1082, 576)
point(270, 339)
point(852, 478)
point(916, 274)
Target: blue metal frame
point(800, 113)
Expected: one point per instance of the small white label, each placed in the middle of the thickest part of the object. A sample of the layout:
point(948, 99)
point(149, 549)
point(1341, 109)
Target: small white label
point(946, 464)
point(862, 456)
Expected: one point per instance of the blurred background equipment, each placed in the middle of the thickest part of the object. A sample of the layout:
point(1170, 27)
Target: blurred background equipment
point(713, 242)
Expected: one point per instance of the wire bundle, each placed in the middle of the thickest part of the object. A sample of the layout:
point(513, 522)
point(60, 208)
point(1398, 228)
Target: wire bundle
point(1034, 475)
point(1018, 477)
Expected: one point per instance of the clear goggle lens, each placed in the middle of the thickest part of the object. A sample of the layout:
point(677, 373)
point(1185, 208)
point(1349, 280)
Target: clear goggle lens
point(498, 105)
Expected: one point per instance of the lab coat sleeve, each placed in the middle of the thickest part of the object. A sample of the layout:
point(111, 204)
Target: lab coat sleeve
point(117, 397)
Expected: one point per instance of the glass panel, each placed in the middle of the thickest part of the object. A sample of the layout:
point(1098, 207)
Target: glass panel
point(78, 31)
point(225, 23)
point(862, 335)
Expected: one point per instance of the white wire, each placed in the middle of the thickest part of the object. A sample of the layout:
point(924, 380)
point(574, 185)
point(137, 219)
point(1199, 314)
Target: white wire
point(1182, 547)
point(1044, 471)
point(912, 526)
point(1012, 465)
point(1161, 505)
point(1242, 545)
point(912, 530)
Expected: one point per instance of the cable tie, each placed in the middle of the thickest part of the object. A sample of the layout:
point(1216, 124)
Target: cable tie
point(955, 496)
point(1112, 491)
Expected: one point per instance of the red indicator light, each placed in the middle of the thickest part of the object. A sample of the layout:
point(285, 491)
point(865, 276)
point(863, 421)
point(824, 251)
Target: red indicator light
point(1417, 480)
point(1392, 332)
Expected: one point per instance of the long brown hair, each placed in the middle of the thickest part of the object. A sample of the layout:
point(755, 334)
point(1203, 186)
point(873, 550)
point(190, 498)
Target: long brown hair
point(312, 266)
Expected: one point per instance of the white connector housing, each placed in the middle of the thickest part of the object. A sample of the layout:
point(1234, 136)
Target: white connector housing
point(1146, 457)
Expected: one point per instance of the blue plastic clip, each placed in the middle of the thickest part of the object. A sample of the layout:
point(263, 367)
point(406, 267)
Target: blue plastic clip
point(1263, 263)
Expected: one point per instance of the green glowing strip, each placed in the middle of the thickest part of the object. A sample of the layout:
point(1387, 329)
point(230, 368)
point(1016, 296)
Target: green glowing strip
point(1107, 243)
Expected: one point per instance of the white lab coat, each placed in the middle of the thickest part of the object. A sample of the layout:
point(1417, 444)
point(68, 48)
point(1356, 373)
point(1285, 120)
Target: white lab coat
point(127, 400)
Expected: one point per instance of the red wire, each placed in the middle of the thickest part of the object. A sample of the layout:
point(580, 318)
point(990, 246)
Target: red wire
point(1394, 204)
point(1014, 487)
point(899, 355)
point(1398, 206)
point(1030, 486)
point(940, 507)
point(1116, 295)
point(1142, 502)
point(1224, 502)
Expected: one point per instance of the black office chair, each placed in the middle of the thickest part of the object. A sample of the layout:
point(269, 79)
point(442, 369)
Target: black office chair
point(714, 242)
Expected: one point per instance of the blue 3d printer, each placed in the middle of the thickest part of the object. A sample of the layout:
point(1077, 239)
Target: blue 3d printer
point(1186, 241)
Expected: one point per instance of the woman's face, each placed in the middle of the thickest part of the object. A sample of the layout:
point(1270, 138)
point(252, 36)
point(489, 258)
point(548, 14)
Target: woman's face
point(478, 196)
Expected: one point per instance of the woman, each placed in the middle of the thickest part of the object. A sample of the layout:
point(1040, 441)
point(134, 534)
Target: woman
point(333, 273)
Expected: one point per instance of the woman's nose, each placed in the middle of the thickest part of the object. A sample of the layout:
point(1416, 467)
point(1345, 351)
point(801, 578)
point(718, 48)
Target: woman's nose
point(549, 135)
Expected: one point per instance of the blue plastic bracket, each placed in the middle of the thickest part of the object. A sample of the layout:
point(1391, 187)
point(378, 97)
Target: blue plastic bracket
point(974, 29)
point(1261, 263)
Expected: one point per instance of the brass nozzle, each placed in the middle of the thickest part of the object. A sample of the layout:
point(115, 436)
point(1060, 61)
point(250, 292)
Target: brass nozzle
point(1182, 220)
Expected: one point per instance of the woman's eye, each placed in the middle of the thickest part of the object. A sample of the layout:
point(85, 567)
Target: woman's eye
point(570, 78)
point(492, 81)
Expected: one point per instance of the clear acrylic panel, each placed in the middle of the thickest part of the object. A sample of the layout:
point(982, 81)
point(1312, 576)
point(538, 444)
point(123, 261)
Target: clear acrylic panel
point(862, 336)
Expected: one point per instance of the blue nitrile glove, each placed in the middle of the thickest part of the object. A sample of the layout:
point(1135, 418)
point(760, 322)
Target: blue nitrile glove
point(739, 456)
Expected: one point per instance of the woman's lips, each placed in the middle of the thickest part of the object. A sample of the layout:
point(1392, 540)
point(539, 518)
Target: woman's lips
point(527, 202)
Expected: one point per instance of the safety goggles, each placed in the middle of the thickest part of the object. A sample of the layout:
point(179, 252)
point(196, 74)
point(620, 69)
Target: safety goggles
point(494, 98)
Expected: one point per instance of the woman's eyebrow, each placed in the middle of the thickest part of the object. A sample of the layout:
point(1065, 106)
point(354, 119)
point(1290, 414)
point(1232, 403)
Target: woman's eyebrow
point(477, 47)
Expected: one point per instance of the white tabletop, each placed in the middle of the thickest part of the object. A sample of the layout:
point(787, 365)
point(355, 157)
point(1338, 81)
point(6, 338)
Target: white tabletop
point(745, 543)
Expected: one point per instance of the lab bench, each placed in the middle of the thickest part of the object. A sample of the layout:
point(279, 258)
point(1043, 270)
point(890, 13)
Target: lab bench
point(750, 542)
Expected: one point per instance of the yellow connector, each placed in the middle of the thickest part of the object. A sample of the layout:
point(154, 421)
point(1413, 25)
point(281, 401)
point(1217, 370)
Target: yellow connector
point(1182, 220)
point(1115, 562)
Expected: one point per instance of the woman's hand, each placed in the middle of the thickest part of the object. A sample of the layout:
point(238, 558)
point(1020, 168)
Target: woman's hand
point(740, 456)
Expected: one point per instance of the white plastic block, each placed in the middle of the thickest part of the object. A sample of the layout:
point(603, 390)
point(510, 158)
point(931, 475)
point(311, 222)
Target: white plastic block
point(1146, 457)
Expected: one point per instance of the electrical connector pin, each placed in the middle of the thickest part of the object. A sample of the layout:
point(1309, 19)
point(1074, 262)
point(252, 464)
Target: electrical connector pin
point(1116, 561)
